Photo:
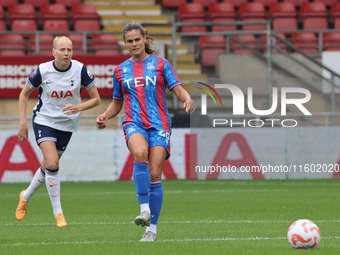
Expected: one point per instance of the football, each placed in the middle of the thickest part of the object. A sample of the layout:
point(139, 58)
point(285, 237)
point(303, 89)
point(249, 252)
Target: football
point(304, 234)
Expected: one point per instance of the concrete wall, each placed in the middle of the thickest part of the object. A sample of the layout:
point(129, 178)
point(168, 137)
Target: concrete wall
point(250, 66)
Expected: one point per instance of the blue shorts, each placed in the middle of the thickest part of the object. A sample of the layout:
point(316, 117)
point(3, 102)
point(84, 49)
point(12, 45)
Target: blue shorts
point(45, 133)
point(153, 136)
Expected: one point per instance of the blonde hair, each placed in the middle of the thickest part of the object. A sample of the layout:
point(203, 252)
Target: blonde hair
point(57, 38)
point(144, 32)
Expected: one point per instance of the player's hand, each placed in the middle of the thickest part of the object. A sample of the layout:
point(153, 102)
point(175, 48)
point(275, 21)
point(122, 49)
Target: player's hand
point(189, 106)
point(101, 121)
point(22, 133)
point(70, 109)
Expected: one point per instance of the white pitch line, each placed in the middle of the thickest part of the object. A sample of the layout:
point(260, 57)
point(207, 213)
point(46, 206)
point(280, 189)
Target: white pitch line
point(251, 183)
point(170, 222)
point(165, 240)
point(166, 191)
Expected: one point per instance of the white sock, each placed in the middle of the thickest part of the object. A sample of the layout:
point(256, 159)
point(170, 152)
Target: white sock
point(53, 188)
point(37, 181)
point(152, 228)
point(145, 207)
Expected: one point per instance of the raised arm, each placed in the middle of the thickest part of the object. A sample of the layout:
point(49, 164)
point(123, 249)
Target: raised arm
point(112, 110)
point(185, 98)
point(23, 98)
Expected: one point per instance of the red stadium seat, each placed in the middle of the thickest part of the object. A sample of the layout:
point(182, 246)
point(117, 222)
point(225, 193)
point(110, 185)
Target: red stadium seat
point(263, 39)
point(77, 44)
point(45, 44)
point(210, 47)
point(248, 39)
point(85, 17)
point(11, 42)
point(266, 3)
point(68, 3)
point(307, 42)
point(12, 45)
point(205, 3)
point(2, 19)
point(335, 14)
point(54, 17)
point(284, 16)
point(172, 3)
point(105, 44)
point(192, 12)
point(235, 3)
point(7, 3)
point(36, 3)
point(56, 25)
point(326, 2)
point(77, 40)
point(253, 12)
point(314, 15)
point(331, 42)
point(12, 53)
point(297, 3)
point(22, 17)
point(222, 12)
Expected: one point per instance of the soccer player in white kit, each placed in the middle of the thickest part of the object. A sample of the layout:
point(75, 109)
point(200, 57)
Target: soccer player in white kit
point(55, 117)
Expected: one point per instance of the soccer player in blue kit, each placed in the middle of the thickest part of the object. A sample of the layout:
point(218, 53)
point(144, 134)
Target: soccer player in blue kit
point(141, 82)
point(55, 117)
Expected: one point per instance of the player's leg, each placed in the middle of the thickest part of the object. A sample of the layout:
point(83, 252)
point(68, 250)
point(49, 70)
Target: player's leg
point(41, 133)
point(157, 155)
point(25, 195)
point(138, 147)
point(37, 181)
point(159, 151)
point(51, 157)
point(52, 152)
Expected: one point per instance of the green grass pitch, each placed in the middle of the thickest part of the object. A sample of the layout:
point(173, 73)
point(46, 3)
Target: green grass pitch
point(198, 217)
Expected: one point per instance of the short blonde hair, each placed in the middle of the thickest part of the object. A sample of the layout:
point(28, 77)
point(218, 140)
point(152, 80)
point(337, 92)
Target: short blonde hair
point(57, 38)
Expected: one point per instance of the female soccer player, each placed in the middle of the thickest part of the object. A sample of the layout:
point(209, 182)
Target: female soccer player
point(141, 82)
point(55, 117)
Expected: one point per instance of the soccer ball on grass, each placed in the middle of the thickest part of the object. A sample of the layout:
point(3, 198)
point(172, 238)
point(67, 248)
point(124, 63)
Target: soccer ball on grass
point(303, 234)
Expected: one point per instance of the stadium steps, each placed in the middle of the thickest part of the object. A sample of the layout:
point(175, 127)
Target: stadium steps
point(188, 69)
point(116, 14)
point(182, 49)
point(118, 3)
point(124, 19)
point(185, 58)
point(166, 39)
point(149, 10)
point(153, 30)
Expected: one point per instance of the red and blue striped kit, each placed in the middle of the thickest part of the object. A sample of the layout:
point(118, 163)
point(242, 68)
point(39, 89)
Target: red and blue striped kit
point(142, 85)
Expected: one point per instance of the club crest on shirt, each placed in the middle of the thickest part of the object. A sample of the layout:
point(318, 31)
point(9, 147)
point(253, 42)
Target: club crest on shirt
point(150, 66)
point(124, 69)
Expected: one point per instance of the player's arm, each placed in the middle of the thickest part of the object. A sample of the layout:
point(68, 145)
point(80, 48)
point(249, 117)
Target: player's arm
point(23, 98)
point(185, 98)
point(92, 102)
point(112, 111)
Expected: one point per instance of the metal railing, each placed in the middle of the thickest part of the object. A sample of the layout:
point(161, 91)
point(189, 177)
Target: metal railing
point(270, 45)
point(86, 39)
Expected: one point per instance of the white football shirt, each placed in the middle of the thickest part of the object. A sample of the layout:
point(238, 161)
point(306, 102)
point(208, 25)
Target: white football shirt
point(56, 89)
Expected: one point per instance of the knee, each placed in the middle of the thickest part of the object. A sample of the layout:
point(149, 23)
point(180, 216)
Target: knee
point(155, 174)
point(140, 156)
point(52, 164)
